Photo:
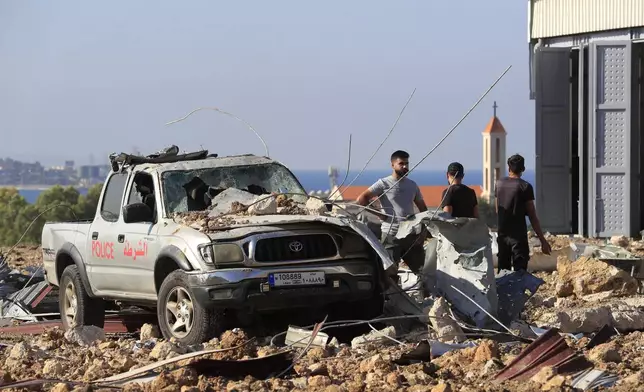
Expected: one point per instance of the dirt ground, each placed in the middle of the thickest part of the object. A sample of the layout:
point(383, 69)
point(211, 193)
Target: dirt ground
point(24, 256)
point(340, 368)
point(51, 356)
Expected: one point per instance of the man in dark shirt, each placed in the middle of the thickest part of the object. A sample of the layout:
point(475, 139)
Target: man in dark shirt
point(459, 200)
point(514, 201)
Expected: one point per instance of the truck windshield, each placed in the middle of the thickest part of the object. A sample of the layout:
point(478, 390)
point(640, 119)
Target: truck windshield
point(185, 190)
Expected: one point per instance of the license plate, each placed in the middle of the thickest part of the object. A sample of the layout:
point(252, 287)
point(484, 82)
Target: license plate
point(296, 279)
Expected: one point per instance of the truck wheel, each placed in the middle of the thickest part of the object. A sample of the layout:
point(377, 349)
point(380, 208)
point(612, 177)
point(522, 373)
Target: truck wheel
point(180, 316)
point(76, 307)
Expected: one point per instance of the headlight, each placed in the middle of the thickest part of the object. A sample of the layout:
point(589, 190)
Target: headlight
point(222, 253)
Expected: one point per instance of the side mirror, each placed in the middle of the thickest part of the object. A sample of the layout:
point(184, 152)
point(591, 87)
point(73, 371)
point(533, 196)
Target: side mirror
point(137, 213)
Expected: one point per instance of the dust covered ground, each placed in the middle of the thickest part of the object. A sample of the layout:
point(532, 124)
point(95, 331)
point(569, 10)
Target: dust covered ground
point(340, 368)
point(51, 356)
point(24, 256)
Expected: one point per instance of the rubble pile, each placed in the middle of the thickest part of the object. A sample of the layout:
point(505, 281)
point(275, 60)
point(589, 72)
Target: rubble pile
point(24, 257)
point(332, 368)
point(587, 276)
point(340, 368)
point(231, 207)
point(594, 304)
point(202, 221)
point(584, 295)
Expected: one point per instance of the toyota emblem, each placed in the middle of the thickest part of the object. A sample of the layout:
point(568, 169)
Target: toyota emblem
point(295, 246)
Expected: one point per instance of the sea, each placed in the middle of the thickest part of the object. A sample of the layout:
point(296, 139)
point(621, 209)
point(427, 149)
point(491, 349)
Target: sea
point(318, 180)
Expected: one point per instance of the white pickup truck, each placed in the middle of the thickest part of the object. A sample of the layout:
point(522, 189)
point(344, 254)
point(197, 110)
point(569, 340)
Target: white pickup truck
point(143, 249)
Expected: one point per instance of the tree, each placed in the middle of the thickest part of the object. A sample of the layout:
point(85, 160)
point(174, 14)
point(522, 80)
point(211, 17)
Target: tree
point(88, 203)
point(12, 220)
point(487, 213)
point(65, 198)
point(18, 217)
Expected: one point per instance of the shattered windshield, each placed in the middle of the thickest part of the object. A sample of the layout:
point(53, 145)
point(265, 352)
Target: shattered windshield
point(185, 190)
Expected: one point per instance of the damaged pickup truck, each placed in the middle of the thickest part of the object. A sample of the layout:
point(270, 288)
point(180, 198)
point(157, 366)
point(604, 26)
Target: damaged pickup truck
point(202, 238)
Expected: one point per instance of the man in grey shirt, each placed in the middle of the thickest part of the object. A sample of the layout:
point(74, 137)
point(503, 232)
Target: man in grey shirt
point(398, 200)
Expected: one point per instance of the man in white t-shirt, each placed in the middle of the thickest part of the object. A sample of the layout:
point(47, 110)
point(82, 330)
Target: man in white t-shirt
point(398, 201)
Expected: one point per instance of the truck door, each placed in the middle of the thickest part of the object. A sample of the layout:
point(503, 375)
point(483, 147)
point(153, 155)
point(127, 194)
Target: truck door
point(138, 244)
point(102, 270)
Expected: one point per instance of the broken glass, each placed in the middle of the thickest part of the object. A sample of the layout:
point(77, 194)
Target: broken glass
point(271, 178)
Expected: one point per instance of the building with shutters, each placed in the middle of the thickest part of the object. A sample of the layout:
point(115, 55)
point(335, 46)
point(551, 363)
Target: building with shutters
point(587, 67)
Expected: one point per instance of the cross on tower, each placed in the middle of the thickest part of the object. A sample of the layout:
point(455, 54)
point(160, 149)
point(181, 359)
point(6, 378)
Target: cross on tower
point(494, 107)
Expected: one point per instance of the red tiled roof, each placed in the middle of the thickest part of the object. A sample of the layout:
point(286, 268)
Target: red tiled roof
point(494, 126)
point(431, 193)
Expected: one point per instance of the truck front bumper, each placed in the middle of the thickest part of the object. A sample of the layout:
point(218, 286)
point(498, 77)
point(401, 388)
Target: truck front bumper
point(242, 288)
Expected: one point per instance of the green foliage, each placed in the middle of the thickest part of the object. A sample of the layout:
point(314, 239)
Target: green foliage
point(487, 213)
point(55, 204)
point(12, 209)
point(86, 207)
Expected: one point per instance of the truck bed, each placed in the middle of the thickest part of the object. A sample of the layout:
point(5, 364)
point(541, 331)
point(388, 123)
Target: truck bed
point(55, 235)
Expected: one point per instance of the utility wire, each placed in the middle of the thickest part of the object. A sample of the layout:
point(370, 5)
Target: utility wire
point(444, 137)
point(383, 141)
point(227, 114)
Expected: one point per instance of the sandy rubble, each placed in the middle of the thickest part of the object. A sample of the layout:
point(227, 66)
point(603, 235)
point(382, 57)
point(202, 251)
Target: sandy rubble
point(337, 369)
point(208, 220)
point(24, 256)
point(331, 369)
point(369, 368)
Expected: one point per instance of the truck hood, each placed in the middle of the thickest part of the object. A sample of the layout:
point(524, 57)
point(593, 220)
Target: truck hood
point(242, 225)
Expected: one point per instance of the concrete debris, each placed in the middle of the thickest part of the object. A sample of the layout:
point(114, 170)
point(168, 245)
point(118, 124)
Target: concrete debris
point(299, 337)
point(601, 298)
point(589, 276)
point(374, 337)
point(163, 350)
point(287, 206)
point(85, 335)
point(636, 379)
point(620, 240)
point(549, 379)
point(263, 205)
point(445, 327)
point(149, 331)
point(238, 203)
point(607, 352)
point(315, 206)
point(224, 202)
point(626, 318)
point(584, 320)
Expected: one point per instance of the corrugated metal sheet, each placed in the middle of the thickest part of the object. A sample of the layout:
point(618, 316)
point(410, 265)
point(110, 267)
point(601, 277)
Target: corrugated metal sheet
point(552, 18)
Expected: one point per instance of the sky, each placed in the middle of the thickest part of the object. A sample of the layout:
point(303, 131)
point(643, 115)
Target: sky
point(79, 80)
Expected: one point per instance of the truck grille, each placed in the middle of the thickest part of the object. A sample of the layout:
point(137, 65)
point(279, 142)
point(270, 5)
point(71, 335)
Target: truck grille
point(300, 247)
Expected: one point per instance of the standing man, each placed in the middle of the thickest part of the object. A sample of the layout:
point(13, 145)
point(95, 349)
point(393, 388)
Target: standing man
point(398, 200)
point(459, 200)
point(514, 201)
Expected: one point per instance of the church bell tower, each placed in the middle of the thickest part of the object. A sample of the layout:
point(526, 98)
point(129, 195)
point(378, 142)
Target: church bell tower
point(494, 160)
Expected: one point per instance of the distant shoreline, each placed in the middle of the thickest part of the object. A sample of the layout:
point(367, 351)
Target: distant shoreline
point(36, 187)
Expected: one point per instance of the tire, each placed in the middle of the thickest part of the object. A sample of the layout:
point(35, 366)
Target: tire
point(174, 302)
point(77, 309)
